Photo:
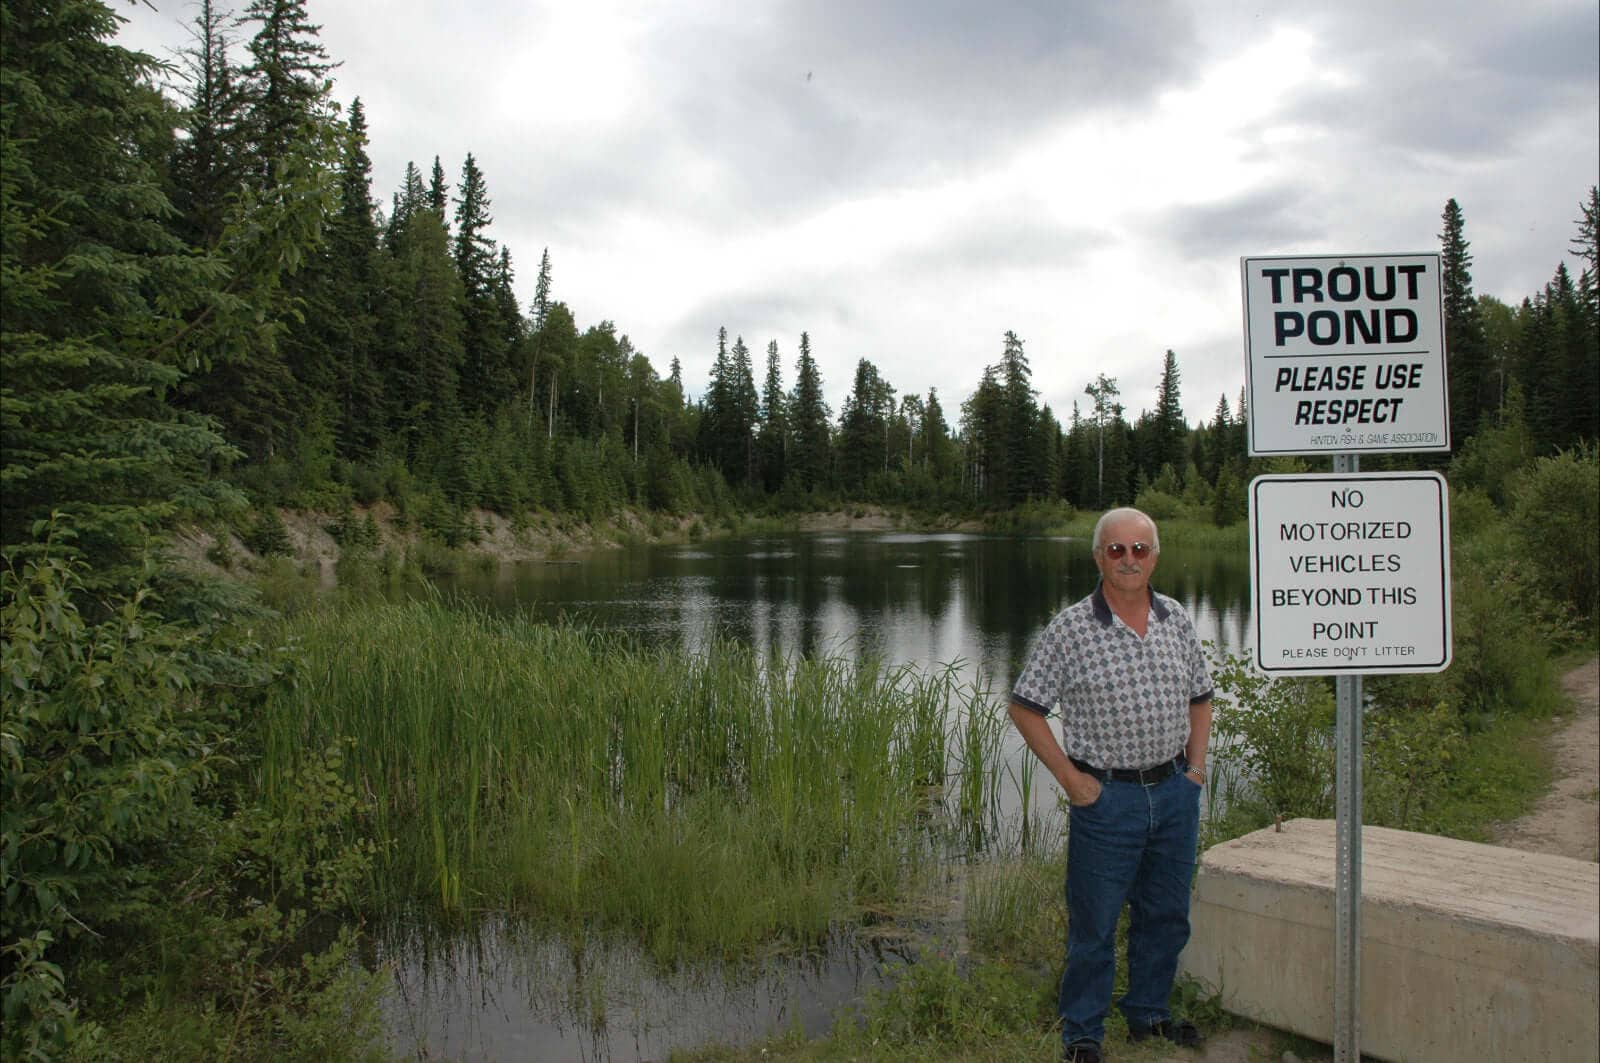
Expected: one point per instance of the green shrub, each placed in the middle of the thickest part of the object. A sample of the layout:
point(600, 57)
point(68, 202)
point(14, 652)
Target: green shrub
point(1159, 505)
point(104, 750)
point(260, 963)
point(1411, 753)
point(268, 536)
point(1272, 740)
point(1559, 499)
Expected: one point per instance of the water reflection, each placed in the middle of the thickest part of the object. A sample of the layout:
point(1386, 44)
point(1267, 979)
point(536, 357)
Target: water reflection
point(503, 992)
point(921, 600)
point(926, 600)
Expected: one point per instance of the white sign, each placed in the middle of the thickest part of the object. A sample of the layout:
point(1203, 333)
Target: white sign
point(1350, 574)
point(1345, 354)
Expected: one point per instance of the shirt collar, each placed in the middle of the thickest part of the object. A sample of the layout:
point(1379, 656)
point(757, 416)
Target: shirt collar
point(1102, 609)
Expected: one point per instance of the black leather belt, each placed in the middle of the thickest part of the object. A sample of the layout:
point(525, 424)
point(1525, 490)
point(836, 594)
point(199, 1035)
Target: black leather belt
point(1142, 776)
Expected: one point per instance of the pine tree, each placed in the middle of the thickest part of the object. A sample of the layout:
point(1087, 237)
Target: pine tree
point(983, 436)
point(351, 297)
point(422, 333)
point(96, 305)
point(1169, 428)
point(773, 441)
point(1586, 245)
point(863, 423)
point(284, 401)
point(438, 195)
point(285, 85)
point(1463, 332)
point(486, 379)
point(410, 199)
point(718, 404)
point(810, 457)
point(540, 307)
point(740, 440)
point(1019, 473)
point(938, 449)
point(208, 163)
point(1584, 354)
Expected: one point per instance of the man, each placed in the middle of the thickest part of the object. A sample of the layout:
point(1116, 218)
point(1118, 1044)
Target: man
point(1128, 672)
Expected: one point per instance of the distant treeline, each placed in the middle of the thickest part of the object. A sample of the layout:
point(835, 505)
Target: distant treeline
point(347, 351)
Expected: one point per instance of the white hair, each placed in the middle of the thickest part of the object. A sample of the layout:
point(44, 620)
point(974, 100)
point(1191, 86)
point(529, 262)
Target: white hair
point(1126, 511)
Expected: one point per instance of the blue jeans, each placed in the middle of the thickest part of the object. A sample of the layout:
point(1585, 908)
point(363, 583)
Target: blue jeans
point(1134, 844)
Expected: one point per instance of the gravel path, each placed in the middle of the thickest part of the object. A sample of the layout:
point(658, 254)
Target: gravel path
point(1566, 821)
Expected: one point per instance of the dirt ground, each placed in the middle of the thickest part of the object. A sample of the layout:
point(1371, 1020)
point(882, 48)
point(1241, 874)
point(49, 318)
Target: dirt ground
point(1565, 822)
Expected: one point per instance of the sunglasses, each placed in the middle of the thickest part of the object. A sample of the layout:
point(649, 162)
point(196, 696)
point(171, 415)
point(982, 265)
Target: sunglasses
point(1140, 550)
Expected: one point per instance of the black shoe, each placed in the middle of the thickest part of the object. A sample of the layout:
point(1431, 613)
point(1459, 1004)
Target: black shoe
point(1178, 1031)
point(1081, 1052)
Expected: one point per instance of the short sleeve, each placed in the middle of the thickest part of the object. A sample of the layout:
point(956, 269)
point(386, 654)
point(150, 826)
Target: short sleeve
point(1043, 676)
point(1200, 684)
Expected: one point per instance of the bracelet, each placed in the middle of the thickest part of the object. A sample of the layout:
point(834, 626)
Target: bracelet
point(1196, 771)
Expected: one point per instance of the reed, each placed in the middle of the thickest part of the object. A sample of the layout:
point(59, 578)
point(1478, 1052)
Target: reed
point(705, 803)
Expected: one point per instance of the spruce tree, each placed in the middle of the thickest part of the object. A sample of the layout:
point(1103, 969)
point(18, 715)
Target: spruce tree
point(285, 85)
point(422, 333)
point(1168, 442)
point(410, 199)
point(983, 436)
point(773, 443)
point(351, 297)
point(938, 449)
point(537, 312)
point(809, 416)
point(208, 162)
point(438, 194)
point(737, 443)
point(486, 377)
point(863, 423)
point(96, 304)
point(1463, 333)
point(1019, 474)
point(1584, 352)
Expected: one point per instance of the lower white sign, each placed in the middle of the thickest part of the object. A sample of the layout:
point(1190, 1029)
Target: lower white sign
point(1350, 574)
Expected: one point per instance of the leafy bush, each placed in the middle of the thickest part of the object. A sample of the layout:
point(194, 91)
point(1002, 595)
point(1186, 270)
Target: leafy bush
point(1158, 504)
point(1273, 738)
point(1560, 498)
point(104, 750)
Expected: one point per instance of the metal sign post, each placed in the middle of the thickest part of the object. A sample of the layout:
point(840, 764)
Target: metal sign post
point(1347, 859)
point(1343, 354)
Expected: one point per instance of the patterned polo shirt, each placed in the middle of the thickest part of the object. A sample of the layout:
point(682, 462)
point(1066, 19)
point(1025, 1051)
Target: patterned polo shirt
point(1124, 699)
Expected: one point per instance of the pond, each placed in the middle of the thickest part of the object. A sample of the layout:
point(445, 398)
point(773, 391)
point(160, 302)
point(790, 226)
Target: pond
point(973, 602)
point(926, 600)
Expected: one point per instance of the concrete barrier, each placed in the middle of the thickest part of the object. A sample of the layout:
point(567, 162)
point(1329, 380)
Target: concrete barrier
point(1467, 951)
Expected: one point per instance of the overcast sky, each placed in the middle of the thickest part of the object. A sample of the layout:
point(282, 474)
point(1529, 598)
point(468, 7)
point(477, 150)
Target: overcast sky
point(908, 180)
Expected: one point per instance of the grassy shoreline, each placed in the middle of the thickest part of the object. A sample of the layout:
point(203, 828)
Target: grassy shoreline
point(707, 805)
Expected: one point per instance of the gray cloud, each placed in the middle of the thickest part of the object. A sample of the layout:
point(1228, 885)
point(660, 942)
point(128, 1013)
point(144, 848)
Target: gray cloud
point(1464, 83)
point(1278, 217)
point(763, 117)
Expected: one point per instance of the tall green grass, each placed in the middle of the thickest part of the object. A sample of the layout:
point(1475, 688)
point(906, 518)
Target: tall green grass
point(704, 803)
